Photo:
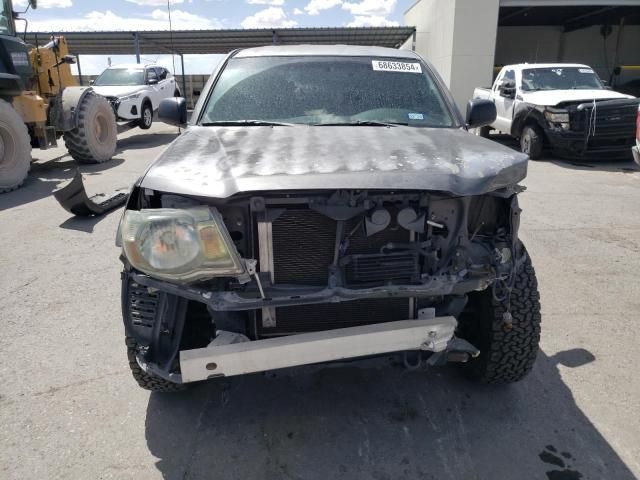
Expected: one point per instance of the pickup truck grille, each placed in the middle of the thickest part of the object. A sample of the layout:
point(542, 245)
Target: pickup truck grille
point(303, 243)
point(610, 126)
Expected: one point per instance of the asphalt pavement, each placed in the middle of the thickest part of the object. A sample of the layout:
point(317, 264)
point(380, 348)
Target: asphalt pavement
point(70, 409)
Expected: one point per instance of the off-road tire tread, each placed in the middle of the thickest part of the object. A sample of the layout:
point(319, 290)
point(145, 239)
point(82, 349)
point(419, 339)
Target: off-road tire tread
point(508, 355)
point(76, 140)
point(24, 132)
point(144, 379)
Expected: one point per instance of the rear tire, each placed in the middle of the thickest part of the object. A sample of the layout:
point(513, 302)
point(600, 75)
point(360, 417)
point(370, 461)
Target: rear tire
point(146, 116)
point(15, 148)
point(506, 354)
point(146, 380)
point(532, 142)
point(96, 135)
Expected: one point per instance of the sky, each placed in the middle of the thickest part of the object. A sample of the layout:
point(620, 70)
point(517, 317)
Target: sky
point(94, 15)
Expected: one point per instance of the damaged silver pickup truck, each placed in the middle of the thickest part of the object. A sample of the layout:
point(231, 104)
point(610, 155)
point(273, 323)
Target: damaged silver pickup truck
point(326, 203)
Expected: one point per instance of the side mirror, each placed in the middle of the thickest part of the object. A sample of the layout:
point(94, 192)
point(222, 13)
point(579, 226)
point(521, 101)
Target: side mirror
point(480, 112)
point(173, 111)
point(152, 81)
point(33, 4)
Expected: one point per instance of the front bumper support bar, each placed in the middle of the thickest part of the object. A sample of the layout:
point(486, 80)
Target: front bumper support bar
point(432, 334)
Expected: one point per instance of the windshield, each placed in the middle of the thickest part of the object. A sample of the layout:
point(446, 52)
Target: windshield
point(560, 78)
point(327, 90)
point(121, 76)
point(6, 24)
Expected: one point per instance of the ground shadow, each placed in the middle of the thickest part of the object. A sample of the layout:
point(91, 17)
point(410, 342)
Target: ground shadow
point(374, 420)
point(624, 166)
point(86, 224)
point(45, 177)
point(145, 140)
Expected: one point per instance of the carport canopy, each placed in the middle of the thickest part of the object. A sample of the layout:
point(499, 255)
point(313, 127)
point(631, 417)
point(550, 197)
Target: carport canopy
point(183, 42)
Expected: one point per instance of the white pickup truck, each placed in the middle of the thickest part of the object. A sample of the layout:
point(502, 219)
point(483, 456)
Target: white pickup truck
point(562, 107)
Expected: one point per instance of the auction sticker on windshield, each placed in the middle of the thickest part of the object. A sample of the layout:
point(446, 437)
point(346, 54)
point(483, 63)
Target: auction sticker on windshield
point(387, 66)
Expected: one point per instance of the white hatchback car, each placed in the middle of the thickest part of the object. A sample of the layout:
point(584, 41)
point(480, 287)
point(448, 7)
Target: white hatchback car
point(136, 90)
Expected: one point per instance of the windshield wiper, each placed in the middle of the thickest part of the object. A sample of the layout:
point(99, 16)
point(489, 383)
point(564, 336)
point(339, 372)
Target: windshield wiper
point(360, 123)
point(257, 123)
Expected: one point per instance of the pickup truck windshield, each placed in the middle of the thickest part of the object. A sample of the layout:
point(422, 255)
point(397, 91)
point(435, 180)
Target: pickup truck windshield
point(326, 91)
point(560, 78)
point(121, 76)
point(6, 24)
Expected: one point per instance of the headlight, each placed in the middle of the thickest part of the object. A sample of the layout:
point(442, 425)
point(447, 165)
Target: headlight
point(129, 97)
point(179, 245)
point(560, 117)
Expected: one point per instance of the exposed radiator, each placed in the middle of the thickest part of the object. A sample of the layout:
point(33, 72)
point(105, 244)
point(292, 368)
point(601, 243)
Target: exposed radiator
point(303, 243)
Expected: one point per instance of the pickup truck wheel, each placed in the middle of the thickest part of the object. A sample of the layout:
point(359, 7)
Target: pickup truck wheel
point(147, 380)
point(15, 148)
point(146, 116)
point(532, 142)
point(507, 352)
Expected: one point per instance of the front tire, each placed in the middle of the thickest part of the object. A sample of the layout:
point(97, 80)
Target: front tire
point(15, 148)
point(532, 142)
point(507, 353)
point(146, 380)
point(146, 116)
point(95, 137)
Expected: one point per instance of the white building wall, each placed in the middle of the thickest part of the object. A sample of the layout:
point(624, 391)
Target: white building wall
point(458, 37)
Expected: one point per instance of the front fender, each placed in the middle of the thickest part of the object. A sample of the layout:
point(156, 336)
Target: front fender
point(526, 113)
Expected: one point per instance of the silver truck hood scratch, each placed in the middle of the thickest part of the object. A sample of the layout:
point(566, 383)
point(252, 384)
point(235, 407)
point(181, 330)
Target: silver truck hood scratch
point(219, 162)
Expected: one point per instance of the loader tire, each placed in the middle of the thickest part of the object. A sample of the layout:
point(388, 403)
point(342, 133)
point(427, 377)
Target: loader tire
point(507, 353)
point(94, 138)
point(15, 148)
point(146, 380)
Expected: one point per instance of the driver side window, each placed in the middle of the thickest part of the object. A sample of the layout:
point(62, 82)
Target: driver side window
point(509, 76)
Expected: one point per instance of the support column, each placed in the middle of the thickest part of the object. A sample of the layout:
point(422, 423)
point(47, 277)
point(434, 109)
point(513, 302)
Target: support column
point(79, 70)
point(184, 78)
point(136, 45)
point(459, 38)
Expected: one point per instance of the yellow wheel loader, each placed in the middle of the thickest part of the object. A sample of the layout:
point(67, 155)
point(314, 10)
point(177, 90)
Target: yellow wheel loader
point(40, 102)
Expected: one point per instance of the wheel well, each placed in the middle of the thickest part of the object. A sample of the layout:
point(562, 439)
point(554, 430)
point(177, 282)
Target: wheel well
point(147, 101)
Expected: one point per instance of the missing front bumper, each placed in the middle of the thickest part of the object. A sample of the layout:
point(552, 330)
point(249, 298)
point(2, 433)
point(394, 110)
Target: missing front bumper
point(432, 335)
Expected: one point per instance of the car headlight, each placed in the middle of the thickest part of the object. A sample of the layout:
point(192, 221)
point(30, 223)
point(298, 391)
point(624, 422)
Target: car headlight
point(560, 118)
point(179, 245)
point(126, 98)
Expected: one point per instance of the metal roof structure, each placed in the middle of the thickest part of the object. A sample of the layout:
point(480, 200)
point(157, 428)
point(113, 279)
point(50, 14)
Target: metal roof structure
point(183, 42)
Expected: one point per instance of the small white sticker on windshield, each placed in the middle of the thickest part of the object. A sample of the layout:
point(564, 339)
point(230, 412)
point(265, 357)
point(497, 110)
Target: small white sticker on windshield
point(387, 66)
point(585, 70)
point(416, 116)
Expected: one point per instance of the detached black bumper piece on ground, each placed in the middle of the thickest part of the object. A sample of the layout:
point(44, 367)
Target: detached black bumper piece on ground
point(73, 198)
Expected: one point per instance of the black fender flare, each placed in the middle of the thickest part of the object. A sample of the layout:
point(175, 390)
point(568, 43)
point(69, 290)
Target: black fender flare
point(526, 114)
point(146, 100)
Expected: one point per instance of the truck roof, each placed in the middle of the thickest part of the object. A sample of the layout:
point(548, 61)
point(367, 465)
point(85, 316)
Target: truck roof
point(325, 50)
point(523, 66)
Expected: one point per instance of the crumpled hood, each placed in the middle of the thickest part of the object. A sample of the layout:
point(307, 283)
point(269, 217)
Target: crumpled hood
point(222, 161)
point(117, 90)
point(552, 98)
